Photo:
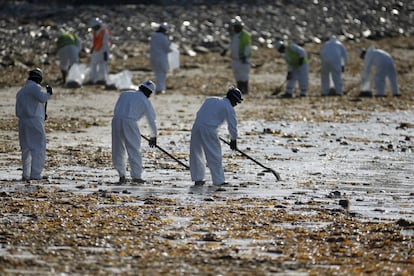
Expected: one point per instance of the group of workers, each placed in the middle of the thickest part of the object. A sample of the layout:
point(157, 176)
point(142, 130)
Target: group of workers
point(333, 57)
point(69, 47)
point(132, 105)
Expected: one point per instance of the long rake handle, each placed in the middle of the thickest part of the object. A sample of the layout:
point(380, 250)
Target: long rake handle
point(45, 110)
point(167, 153)
point(254, 160)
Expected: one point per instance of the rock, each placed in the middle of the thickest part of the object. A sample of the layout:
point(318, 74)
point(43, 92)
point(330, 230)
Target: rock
point(344, 203)
point(334, 194)
point(404, 223)
point(29, 29)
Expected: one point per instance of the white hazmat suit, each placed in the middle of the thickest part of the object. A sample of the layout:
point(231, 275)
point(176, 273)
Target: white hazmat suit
point(30, 109)
point(205, 144)
point(126, 137)
point(159, 49)
point(100, 54)
point(333, 59)
point(384, 68)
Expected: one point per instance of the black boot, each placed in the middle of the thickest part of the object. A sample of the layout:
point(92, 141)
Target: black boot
point(243, 86)
point(246, 88)
point(240, 86)
point(64, 74)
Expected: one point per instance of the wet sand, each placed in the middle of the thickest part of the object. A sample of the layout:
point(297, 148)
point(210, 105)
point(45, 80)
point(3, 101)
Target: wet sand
point(344, 204)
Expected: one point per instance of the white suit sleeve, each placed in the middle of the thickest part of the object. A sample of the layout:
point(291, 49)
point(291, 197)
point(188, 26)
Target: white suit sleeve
point(232, 123)
point(344, 56)
point(105, 45)
point(247, 50)
point(367, 68)
point(151, 118)
point(166, 44)
point(41, 96)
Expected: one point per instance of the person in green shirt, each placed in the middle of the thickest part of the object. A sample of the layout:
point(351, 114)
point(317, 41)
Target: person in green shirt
point(240, 48)
point(298, 68)
point(68, 46)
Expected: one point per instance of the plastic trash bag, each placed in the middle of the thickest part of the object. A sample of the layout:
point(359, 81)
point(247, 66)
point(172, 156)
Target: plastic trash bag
point(77, 75)
point(121, 80)
point(174, 57)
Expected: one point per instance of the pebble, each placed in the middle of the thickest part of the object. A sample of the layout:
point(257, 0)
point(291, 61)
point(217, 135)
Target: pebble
point(28, 29)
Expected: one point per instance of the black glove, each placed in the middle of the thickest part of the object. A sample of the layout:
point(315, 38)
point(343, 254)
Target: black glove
point(343, 68)
point(233, 144)
point(152, 142)
point(105, 56)
point(289, 75)
point(301, 60)
point(223, 53)
point(49, 90)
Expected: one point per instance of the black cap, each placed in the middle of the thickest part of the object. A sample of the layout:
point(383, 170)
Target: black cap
point(235, 93)
point(36, 73)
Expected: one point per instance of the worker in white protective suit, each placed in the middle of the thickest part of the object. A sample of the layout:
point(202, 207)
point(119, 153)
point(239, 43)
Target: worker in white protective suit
point(205, 144)
point(333, 60)
point(126, 137)
point(100, 52)
point(159, 49)
point(68, 45)
point(383, 64)
point(298, 68)
point(240, 47)
point(31, 111)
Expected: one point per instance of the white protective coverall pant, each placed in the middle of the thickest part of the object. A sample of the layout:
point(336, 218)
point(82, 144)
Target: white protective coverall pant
point(159, 49)
point(32, 140)
point(384, 68)
point(98, 67)
point(300, 75)
point(205, 144)
point(333, 57)
point(68, 55)
point(241, 71)
point(126, 137)
point(30, 110)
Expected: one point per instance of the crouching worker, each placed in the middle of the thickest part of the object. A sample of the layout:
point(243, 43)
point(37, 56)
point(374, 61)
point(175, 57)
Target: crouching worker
point(31, 111)
point(383, 65)
point(205, 144)
point(126, 137)
point(298, 68)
